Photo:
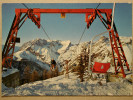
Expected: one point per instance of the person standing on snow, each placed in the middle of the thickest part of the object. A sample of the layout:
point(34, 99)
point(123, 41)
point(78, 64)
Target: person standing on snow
point(53, 64)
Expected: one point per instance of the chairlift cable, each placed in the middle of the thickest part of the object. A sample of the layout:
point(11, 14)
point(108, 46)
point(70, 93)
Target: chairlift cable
point(98, 5)
point(40, 23)
point(86, 27)
point(45, 32)
point(51, 44)
point(25, 5)
point(82, 35)
point(84, 32)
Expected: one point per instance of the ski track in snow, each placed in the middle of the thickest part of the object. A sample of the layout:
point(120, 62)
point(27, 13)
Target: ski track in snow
point(72, 86)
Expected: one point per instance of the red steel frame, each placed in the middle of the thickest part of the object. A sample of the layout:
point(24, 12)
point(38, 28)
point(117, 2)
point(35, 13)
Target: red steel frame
point(119, 57)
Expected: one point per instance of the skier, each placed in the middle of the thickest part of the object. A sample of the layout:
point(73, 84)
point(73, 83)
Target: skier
point(53, 66)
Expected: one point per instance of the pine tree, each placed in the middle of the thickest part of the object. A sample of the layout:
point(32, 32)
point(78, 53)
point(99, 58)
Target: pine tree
point(80, 67)
point(44, 74)
point(48, 74)
point(34, 76)
point(26, 74)
point(56, 73)
point(83, 60)
point(87, 74)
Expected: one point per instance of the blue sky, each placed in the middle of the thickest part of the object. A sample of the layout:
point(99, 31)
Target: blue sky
point(69, 28)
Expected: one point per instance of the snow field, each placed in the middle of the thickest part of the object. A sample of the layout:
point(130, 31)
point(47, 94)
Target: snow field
point(72, 86)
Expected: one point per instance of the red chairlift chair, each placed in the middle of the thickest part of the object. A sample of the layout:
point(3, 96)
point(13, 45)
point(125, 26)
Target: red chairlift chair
point(100, 68)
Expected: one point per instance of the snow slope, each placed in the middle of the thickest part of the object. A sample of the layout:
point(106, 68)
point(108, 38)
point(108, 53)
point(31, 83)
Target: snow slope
point(72, 86)
point(101, 51)
point(72, 53)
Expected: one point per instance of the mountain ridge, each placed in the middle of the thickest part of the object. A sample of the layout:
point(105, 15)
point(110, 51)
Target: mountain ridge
point(41, 50)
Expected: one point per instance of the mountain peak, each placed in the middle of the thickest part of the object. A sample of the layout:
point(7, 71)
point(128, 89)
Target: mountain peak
point(42, 50)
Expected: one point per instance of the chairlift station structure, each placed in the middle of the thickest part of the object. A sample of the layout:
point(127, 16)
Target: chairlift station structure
point(118, 54)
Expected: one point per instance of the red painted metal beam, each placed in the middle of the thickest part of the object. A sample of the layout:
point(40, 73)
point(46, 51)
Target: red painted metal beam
point(78, 11)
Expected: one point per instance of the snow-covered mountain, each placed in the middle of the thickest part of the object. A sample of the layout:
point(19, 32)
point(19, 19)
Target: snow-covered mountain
point(40, 50)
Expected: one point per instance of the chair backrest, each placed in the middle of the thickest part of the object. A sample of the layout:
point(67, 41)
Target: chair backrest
point(100, 67)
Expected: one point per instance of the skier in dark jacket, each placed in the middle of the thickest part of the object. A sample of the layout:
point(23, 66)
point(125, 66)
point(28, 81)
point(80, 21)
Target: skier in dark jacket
point(53, 65)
